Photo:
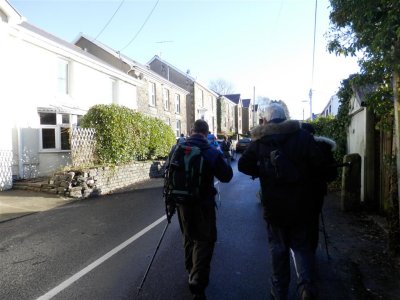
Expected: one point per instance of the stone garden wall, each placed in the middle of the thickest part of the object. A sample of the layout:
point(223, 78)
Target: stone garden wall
point(101, 180)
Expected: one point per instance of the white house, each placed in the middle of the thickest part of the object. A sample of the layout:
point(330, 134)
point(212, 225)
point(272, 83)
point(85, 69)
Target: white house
point(332, 107)
point(47, 84)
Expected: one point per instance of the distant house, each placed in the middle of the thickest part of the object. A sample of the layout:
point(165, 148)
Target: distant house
point(235, 98)
point(201, 102)
point(332, 107)
point(47, 85)
point(156, 97)
point(246, 112)
point(226, 111)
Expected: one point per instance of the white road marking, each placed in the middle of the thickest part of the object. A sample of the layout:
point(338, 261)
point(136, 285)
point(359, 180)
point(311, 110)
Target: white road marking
point(50, 294)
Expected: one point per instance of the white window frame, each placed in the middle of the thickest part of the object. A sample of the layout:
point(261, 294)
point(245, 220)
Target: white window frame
point(152, 93)
point(178, 128)
point(58, 127)
point(177, 103)
point(63, 70)
point(166, 99)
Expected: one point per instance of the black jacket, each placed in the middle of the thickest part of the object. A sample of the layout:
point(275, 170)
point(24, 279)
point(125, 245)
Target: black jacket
point(286, 203)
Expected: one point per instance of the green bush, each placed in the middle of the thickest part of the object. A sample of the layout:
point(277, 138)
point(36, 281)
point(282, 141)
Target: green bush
point(124, 135)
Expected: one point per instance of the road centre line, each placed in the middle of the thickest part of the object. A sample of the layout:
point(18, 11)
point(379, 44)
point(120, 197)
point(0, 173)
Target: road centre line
point(50, 294)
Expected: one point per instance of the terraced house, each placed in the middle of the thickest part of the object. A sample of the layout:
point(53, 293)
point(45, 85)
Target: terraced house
point(201, 102)
point(156, 97)
point(226, 114)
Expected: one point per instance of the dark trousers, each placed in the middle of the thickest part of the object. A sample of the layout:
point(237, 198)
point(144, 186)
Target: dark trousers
point(198, 227)
point(296, 241)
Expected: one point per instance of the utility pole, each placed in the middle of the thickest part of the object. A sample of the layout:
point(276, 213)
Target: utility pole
point(254, 106)
point(310, 94)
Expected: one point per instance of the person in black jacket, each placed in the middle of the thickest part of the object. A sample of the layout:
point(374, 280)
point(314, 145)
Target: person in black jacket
point(197, 220)
point(288, 203)
point(329, 174)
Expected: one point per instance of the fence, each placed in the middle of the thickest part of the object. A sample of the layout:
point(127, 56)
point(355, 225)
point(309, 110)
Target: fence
point(6, 157)
point(83, 144)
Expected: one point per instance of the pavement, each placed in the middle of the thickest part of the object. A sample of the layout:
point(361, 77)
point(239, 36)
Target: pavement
point(18, 203)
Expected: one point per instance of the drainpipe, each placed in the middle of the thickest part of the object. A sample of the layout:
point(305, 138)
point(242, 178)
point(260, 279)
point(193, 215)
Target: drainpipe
point(20, 151)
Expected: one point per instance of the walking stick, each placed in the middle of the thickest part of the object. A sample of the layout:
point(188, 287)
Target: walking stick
point(152, 259)
point(326, 240)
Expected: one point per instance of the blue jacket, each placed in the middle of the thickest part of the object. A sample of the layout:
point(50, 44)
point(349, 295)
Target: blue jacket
point(215, 166)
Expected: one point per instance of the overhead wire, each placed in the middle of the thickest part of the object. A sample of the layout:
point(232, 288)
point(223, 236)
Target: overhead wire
point(141, 27)
point(109, 21)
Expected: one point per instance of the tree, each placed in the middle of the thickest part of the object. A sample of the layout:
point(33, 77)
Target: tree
point(221, 86)
point(372, 29)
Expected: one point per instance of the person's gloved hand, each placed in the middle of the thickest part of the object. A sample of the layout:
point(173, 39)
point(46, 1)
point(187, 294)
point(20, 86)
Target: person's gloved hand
point(170, 210)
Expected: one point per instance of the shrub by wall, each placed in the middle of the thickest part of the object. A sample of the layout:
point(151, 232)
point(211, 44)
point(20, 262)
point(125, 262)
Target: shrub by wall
point(124, 135)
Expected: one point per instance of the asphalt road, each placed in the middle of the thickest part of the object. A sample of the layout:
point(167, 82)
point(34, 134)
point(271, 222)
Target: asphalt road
point(100, 249)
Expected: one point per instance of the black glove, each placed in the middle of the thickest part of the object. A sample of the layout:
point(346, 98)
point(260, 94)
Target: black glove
point(170, 211)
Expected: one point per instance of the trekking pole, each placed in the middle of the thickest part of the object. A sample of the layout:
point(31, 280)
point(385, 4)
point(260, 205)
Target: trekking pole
point(152, 259)
point(326, 240)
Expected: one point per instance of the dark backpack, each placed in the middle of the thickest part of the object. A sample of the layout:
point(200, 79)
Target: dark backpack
point(282, 189)
point(275, 164)
point(184, 177)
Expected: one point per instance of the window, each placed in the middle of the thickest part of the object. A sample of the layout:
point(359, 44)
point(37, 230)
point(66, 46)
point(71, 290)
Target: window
point(152, 94)
point(55, 130)
point(178, 103)
point(166, 99)
point(202, 98)
point(62, 77)
point(178, 128)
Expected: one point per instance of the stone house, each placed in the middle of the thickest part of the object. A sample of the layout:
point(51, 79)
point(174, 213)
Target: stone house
point(47, 85)
point(156, 97)
point(246, 115)
point(236, 98)
point(226, 115)
point(201, 102)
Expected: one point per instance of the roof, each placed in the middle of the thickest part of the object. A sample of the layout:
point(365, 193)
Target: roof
point(246, 102)
point(233, 97)
point(132, 63)
point(156, 57)
point(48, 36)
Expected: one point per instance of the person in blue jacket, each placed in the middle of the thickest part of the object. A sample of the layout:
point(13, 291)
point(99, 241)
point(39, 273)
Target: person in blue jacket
point(197, 220)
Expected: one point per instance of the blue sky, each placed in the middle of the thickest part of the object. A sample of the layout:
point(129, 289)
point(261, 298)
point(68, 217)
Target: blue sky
point(266, 44)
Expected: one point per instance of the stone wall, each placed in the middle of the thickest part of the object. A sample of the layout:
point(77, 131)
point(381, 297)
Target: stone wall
point(101, 180)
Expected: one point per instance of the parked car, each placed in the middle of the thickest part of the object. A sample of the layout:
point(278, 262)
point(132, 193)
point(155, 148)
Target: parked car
point(242, 144)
